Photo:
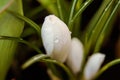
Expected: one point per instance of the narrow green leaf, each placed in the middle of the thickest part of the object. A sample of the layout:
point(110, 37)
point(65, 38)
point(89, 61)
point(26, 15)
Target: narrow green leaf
point(34, 59)
point(97, 27)
point(76, 32)
point(82, 8)
point(28, 32)
point(38, 58)
point(106, 29)
point(72, 11)
point(35, 11)
point(9, 26)
point(60, 9)
point(96, 17)
point(78, 5)
point(17, 39)
point(107, 66)
point(4, 4)
point(50, 5)
point(65, 6)
point(27, 20)
point(71, 77)
point(45, 58)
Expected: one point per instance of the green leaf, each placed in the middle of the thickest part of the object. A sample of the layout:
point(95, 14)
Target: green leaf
point(45, 58)
point(60, 11)
point(96, 17)
point(107, 66)
point(35, 11)
point(97, 23)
point(17, 39)
point(29, 21)
point(107, 27)
point(4, 4)
point(9, 26)
point(34, 59)
point(71, 77)
point(28, 32)
point(81, 9)
point(77, 24)
point(63, 10)
point(72, 11)
point(50, 5)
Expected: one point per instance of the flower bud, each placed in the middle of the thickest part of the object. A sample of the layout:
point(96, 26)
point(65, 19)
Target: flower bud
point(93, 65)
point(74, 59)
point(56, 38)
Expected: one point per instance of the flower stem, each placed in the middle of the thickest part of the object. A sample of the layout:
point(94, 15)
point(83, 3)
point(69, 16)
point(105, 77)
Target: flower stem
point(17, 39)
point(60, 9)
point(71, 77)
point(98, 27)
point(102, 34)
point(72, 11)
point(82, 8)
point(104, 68)
point(27, 20)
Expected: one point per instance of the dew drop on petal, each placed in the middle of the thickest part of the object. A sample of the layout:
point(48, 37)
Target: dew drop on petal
point(56, 39)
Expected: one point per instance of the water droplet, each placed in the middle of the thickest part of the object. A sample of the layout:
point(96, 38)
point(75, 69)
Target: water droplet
point(56, 40)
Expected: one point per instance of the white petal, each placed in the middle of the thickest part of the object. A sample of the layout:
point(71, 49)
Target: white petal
point(93, 65)
point(56, 38)
point(75, 57)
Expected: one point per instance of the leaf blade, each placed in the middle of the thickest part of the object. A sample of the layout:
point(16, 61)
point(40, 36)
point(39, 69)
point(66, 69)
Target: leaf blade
point(10, 26)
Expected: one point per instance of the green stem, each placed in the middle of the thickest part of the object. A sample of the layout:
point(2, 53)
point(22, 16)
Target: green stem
point(45, 58)
point(60, 9)
point(80, 75)
point(71, 77)
point(35, 11)
point(88, 45)
point(83, 7)
point(72, 11)
point(34, 59)
point(94, 21)
point(96, 30)
point(106, 26)
point(22, 41)
point(104, 68)
point(30, 22)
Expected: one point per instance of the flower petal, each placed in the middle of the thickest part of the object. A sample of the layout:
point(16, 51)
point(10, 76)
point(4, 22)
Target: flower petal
point(75, 57)
point(56, 38)
point(93, 65)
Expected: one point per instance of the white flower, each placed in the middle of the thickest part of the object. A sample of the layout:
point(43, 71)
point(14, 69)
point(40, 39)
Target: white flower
point(75, 57)
point(56, 38)
point(93, 65)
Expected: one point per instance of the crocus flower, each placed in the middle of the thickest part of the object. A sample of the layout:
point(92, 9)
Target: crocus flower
point(74, 59)
point(93, 65)
point(56, 38)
